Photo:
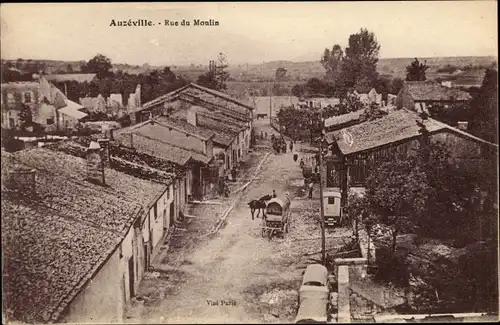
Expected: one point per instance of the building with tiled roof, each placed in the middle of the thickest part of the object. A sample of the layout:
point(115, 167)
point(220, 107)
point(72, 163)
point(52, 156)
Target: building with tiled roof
point(196, 99)
point(67, 229)
point(419, 95)
point(227, 104)
point(229, 136)
point(184, 126)
point(174, 139)
point(68, 77)
point(49, 106)
point(362, 145)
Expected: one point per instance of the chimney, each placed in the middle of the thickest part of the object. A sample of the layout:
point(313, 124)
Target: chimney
point(104, 144)
point(95, 166)
point(191, 117)
point(463, 125)
point(22, 180)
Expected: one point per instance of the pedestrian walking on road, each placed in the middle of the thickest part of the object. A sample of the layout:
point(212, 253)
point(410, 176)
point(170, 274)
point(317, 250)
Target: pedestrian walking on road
point(233, 174)
point(295, 157)
point(301, 163)
point(274, 194)
point(311, 190)
point(291, 146)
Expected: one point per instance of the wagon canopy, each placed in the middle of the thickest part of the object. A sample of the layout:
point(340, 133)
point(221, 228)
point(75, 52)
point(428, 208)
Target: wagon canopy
point(316, 275)
point(278, 206)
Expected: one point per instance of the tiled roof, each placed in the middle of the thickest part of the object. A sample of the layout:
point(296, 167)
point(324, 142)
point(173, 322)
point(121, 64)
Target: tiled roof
point(433, 91)
point(393, 127)
point(126, 161)
point(72, 109)
point(152, 143)
point(184, 126)
point(78, 77)
point(54, 241)
point(351, 117)
point(222, 95)
point(224, 133)
point(396, 126)
point(230, 122)
point(155, 148)
point(160, 132)
point(344, 118)
point(201, 95)
point(20, 85)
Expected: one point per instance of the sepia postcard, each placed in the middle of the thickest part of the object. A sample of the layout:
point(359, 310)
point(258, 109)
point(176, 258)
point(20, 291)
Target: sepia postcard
point(249, 162)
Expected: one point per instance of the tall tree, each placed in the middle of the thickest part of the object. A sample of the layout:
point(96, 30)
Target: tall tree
point(207, 80)
point(332, 61)
point(100, 65)
point(484, 122)
point(416, 71)
point(221, 74)
point(69, 68)
point(280, 74)
point(361, 57)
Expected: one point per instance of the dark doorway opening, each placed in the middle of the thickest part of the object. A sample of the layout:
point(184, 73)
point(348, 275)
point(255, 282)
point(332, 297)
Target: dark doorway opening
point(131, 276)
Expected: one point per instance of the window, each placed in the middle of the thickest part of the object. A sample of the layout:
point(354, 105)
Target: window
point(168, 193)
point(27, 97)
point(10, 98)
point(50, 121)
point(331, 200)
point(155, 210)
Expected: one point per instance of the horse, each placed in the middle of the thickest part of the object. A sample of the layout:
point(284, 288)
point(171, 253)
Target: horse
point(257, 205)
point(266, 197)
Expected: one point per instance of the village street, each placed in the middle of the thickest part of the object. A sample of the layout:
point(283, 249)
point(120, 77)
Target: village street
point(252, 278)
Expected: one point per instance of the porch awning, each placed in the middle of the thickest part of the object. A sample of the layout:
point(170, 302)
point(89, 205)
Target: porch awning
point(72, 109)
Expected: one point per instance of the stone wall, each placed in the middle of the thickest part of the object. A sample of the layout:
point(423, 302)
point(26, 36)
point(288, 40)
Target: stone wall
point(343, 303)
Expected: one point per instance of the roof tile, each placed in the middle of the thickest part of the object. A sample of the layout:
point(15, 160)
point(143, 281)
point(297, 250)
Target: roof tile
point(54, 240)
point(433, 91)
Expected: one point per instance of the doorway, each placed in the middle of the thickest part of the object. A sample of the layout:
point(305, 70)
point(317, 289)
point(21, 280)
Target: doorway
point(131, 276)
point(172, 215)
point(146, 256)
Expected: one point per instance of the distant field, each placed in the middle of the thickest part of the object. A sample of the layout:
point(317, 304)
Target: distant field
point(255, 75)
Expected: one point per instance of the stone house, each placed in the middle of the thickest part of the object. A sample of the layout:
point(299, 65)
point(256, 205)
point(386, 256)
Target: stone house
point(354, 151)
point(14, 96)
point(199, 99)
point(419, 95)
point(179, 142)
point(48, 105)
point(76, 247)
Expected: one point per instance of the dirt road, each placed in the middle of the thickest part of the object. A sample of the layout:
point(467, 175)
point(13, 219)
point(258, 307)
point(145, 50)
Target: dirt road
point(238, 276)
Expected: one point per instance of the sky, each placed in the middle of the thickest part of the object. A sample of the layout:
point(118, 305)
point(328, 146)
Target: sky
point(247, 32)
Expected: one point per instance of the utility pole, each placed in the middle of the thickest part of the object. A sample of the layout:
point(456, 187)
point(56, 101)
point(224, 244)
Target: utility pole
point(322, 212)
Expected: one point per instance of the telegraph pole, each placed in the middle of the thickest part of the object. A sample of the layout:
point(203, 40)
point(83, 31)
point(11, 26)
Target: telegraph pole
point(270, 100)
point(322, 212)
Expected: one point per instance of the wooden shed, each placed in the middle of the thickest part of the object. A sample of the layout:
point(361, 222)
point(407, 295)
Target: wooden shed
point(357, 149)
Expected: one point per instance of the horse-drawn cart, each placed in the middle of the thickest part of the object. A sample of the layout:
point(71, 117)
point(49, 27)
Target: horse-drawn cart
point(277, 217)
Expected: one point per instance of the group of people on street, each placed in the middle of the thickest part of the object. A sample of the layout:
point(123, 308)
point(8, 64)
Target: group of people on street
point(310, 174)
point(223, 185)
point(279, 143)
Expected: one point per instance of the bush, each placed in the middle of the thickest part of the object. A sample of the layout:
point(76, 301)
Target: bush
point(392, 266)
point(12, 145)
point(447, 69)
